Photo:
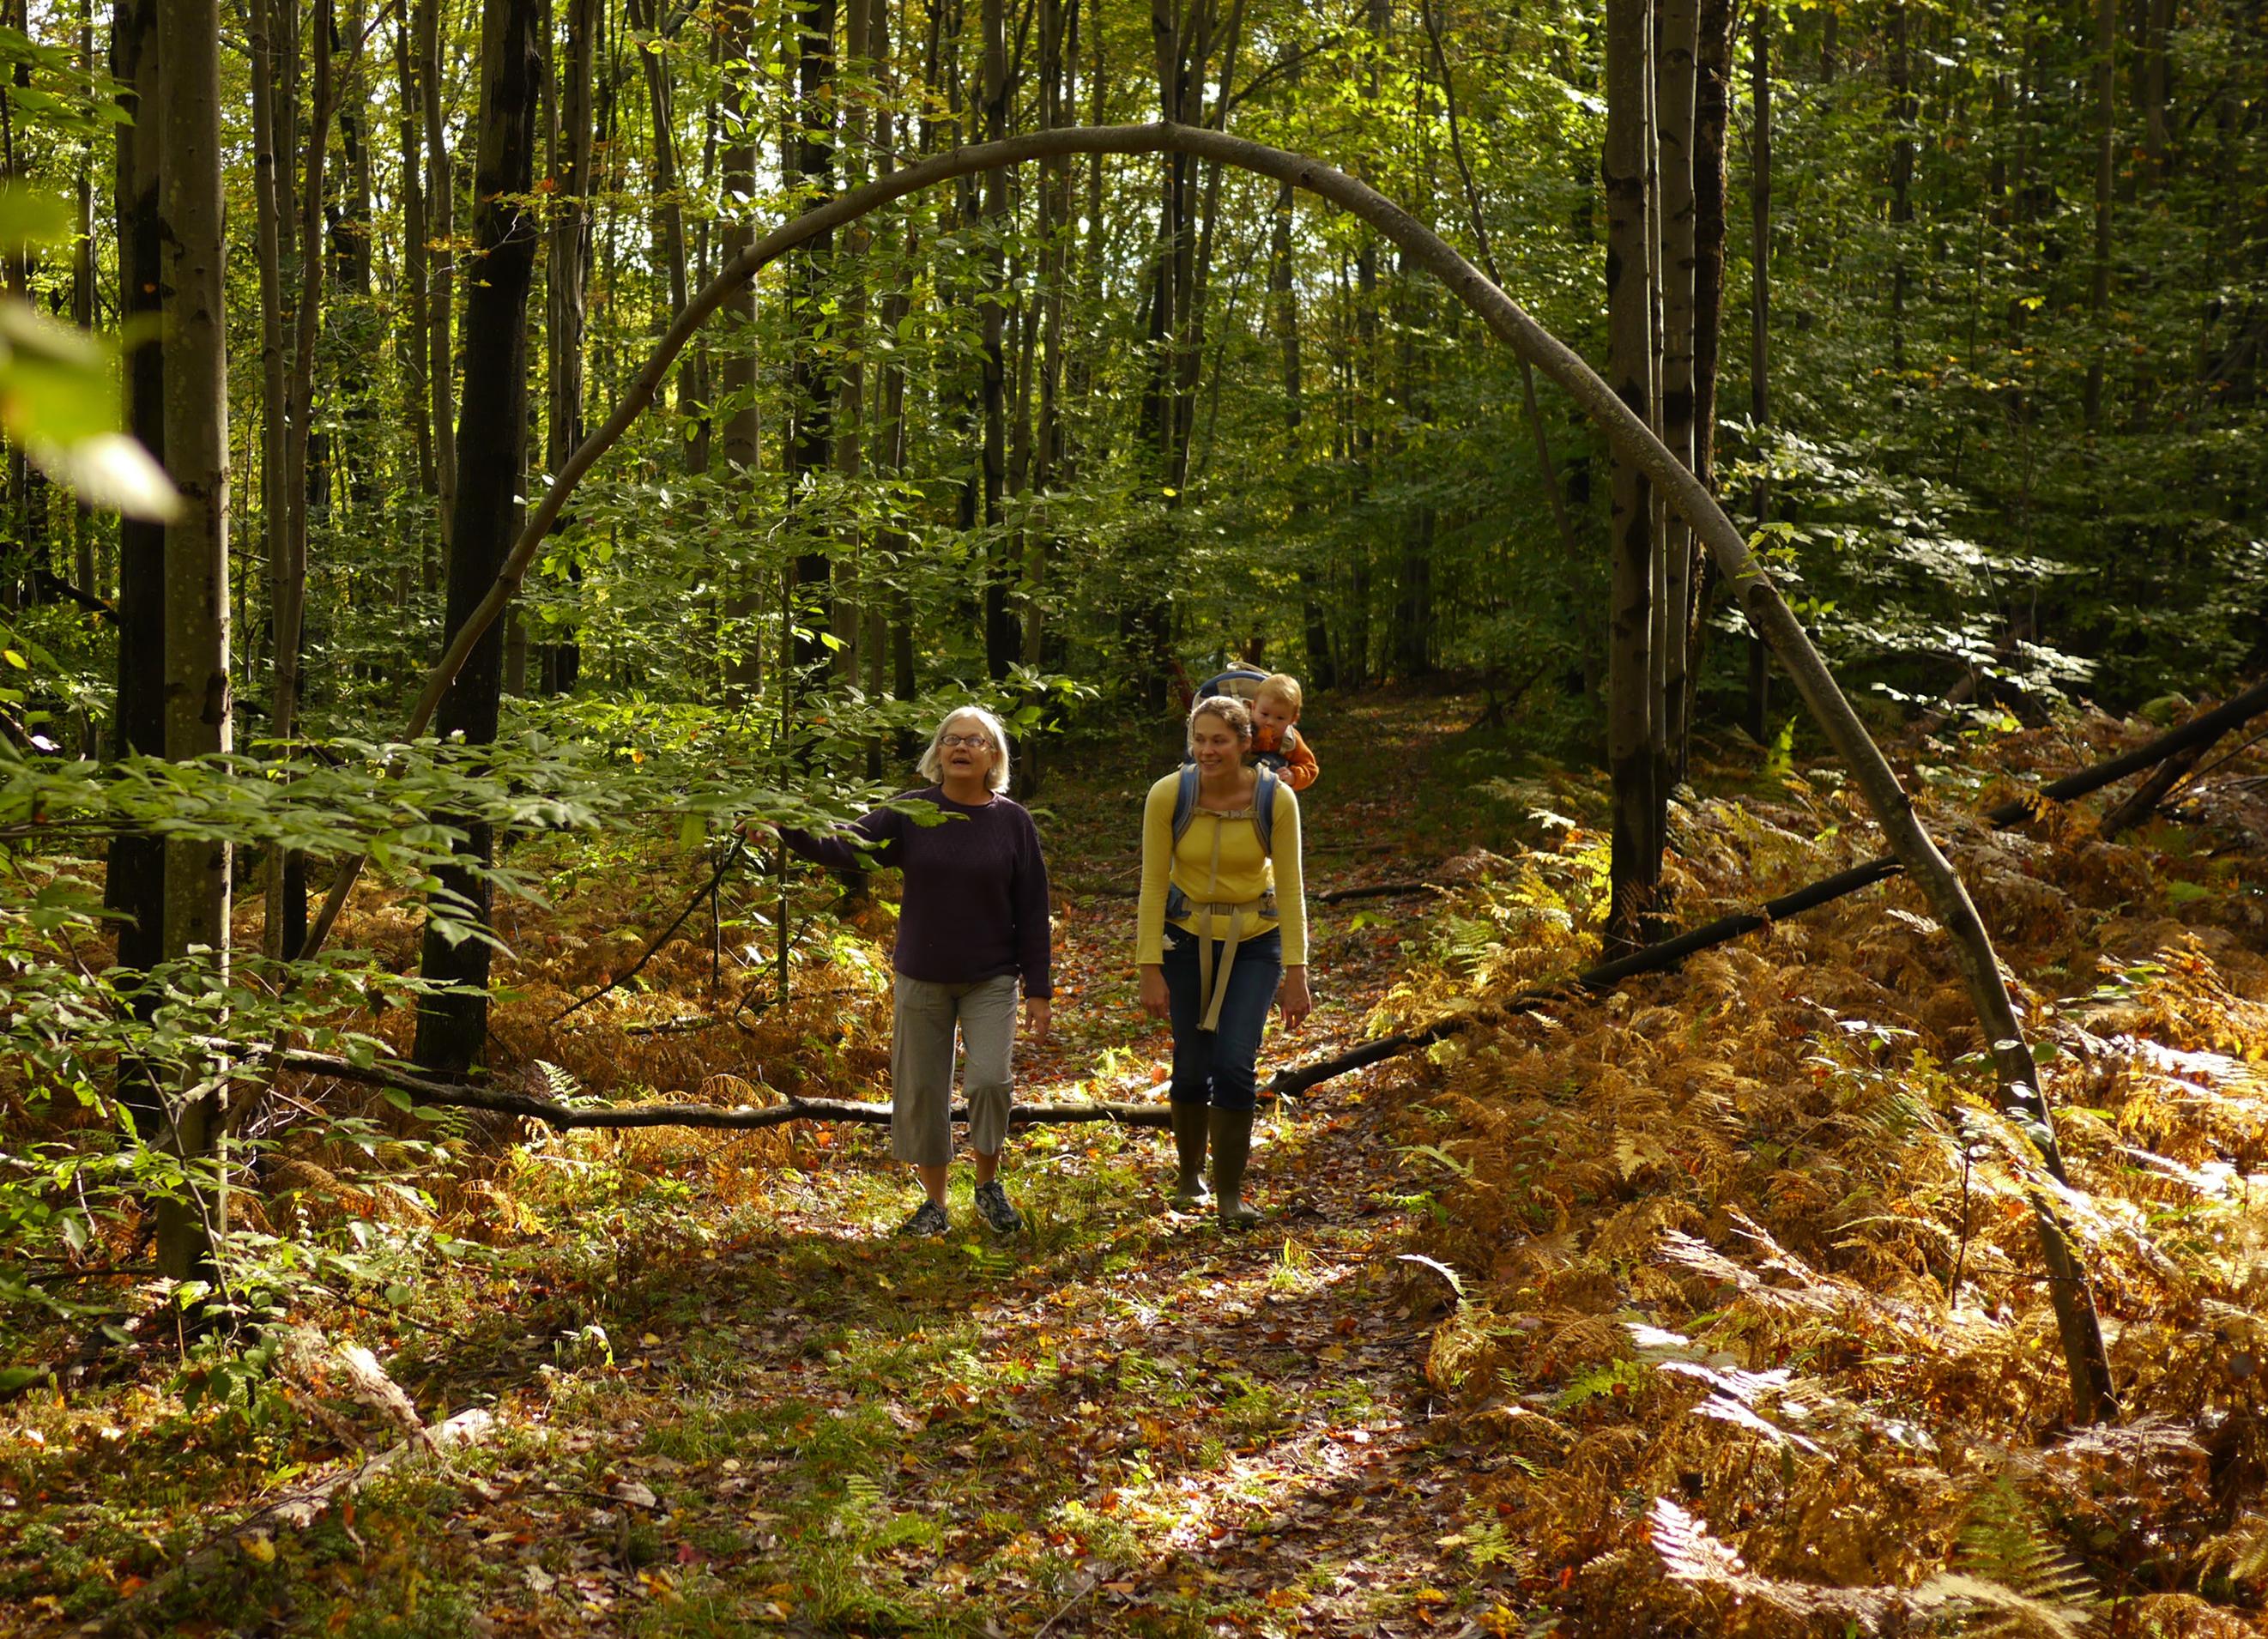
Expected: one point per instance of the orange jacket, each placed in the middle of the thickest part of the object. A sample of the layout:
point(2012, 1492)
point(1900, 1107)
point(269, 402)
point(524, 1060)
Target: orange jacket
point(1291, 757)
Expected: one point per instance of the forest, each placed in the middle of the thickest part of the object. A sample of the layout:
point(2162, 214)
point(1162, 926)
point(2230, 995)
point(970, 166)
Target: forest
point(1766, 502)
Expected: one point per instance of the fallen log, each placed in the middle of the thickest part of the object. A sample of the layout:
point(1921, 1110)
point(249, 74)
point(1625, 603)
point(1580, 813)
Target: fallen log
point(1374, 891)
point(2197, 734)
point(739, 1117)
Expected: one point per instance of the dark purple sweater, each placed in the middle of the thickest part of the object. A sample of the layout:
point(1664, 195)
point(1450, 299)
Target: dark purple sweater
point(976, 888)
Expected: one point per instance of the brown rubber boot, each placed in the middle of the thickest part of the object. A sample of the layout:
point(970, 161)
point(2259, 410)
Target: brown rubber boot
point(1191, 1191)
point(1231, 1131)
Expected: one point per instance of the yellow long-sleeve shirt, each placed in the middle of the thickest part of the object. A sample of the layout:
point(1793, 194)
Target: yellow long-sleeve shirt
point(1246, 872)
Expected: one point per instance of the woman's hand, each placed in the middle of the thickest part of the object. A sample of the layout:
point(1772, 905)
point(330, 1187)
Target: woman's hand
point(1039, 1017)
point(1155, 1002)
point(1291, 995)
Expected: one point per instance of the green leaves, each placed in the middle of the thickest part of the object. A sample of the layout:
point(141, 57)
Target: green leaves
point(59, 385)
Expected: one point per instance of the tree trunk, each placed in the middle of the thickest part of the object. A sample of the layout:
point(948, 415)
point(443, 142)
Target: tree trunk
point(2106, 49)
point(192, 267)
point(491, 454)
point(745, 600)
point(440, 291)
point(418, 403)
point(1283, 314)
point(566, 286)
point(1635, 864)
point(283, 922)
point(136, 883)
point(287, 569)
point(811, 394)
point(668, 202)
point(1901, 167)
point(1677, 23)
point(2157, 83)
point(1759, 701)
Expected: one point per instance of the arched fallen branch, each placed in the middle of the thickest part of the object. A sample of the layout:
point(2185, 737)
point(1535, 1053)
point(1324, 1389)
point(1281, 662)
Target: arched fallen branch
point(1765, 610)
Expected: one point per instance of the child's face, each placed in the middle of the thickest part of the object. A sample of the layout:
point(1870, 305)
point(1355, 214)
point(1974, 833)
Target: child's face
point(1272, 714)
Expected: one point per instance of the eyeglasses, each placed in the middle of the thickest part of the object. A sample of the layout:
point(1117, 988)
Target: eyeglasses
point(974, 742)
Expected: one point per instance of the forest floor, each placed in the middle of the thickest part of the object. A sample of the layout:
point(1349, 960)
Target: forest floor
point(724, 1395)
point(1712, 1305)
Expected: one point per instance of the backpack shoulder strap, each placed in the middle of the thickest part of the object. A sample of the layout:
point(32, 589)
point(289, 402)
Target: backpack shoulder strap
point(1264, 808)
point(1185, 801)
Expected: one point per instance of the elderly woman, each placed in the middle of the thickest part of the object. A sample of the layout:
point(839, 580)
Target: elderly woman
point(1222, 931)
point(972, 926)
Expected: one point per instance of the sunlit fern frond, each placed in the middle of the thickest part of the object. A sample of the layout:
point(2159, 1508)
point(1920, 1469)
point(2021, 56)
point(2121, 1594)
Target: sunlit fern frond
point(2027, 1581)
point(1963, 1600)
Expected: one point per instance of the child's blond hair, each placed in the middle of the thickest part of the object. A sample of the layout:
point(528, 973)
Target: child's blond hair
point(1286, 687)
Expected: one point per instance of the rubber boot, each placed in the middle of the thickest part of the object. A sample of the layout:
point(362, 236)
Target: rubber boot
point(1191, 1191)
point(1232, 1147)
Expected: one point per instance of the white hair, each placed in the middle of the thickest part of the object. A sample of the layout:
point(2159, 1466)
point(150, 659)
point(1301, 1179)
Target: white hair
point(931, 769)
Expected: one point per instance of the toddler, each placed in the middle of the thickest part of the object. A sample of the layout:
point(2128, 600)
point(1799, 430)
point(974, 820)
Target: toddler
point(1277, 742)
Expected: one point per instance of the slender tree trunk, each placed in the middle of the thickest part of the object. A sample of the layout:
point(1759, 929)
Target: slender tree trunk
point(811, 432)
point(1284, 315)
point(1634, 865)
point(2157, 85)
point(440, 292)
point(745, 600)
point(1055, 267)
point(492, 455)
point(1901, 168)
point(1001, 638)
point(566, 284)
point(2106, 81)
point(1760, 153)
point(135, 885)
point(82, 303)
point(1677, 22)
point(192, 267)
point(267, 187)
point(417, 406)
point(1713, 65)
point(668, 206)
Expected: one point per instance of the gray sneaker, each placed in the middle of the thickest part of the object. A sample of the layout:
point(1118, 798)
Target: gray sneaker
point(927, 1221)
point(993, 1205)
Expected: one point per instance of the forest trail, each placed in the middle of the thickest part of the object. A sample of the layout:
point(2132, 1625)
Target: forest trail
point(769, 1412)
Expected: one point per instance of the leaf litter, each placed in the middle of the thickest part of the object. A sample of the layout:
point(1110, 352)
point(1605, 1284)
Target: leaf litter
point(1706, 1305)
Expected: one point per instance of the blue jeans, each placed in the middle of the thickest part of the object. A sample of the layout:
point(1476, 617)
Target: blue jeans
point(1217, 1067)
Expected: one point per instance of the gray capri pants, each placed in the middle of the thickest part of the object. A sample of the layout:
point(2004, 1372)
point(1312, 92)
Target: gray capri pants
point(921, 1066)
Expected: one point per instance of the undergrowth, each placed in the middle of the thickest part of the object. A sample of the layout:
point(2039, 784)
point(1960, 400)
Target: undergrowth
point(1748, 1280)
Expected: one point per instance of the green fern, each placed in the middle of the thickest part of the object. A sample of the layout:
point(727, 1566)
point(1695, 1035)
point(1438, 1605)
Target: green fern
point(2006, 1544)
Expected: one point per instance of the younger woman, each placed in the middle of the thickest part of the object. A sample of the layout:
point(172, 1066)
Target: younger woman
point(1222, 931)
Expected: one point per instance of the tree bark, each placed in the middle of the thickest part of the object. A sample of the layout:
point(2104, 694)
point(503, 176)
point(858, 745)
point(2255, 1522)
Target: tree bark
point(1635, 865)
point(440, 296)
point(491, 454)
point(566, 283)
point(1677, 25)
point(417, 407)
point(745, 601)
point(1760, 153)
point(1001, 637)
point(810, 428)
point(192, 266)
point(2106, 111)
point(136, 883)
point(668, 199)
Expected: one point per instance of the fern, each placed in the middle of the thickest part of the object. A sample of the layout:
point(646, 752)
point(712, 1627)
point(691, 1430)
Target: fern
point(1976, 1603)
point(2005, 1544)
